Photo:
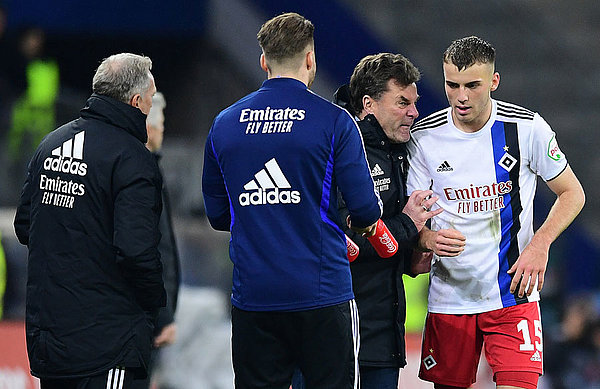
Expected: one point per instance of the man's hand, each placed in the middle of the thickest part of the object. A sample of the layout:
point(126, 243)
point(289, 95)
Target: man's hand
point(167, 336)
point(420, 262)
point(366, 232)
point(445, 243)
point(531, 264)
point(418, 207)
point(529, 268)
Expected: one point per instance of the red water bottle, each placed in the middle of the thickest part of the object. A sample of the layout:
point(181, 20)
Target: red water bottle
point(352, 249)
point(383, 242)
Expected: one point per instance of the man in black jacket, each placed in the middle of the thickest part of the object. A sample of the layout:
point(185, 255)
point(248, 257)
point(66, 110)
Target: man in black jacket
point(89, 214)
point(383, 95)
point(165, 331)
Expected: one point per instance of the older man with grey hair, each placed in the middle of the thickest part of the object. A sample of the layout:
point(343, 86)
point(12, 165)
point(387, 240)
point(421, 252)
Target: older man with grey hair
point(165, 331)
point(89, 214)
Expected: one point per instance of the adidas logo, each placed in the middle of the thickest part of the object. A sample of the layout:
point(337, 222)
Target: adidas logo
point(65, 158)
point(536, 357)
point(268, 188)
point(445, 167)
point(377, 171)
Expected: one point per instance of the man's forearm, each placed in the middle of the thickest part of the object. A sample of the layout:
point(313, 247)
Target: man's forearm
point(564, 210)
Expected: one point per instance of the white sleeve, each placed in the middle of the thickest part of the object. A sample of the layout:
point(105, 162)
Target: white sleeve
point(419, 177)
point(547, 160)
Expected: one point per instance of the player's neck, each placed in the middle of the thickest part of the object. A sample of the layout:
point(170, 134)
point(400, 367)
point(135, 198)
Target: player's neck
point(299, 75)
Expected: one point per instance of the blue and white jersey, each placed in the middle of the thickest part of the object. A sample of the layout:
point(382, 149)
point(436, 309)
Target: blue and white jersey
point(272, 167)
point(486, 182)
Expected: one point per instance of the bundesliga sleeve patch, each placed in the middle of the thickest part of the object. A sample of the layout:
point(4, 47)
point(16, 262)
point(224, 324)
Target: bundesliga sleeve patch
point(553, 150)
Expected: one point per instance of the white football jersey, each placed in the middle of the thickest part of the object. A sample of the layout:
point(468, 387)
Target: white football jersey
point(486, 183)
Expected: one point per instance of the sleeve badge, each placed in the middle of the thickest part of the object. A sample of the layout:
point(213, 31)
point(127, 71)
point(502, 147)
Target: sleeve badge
point(553, 150)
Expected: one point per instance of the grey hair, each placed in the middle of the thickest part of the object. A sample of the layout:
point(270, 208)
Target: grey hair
point(122, 76)
point(158, 104)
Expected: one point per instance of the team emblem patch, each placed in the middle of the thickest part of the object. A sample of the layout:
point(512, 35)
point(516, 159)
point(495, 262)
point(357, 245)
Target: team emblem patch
point(507, 162)
point(429, 362)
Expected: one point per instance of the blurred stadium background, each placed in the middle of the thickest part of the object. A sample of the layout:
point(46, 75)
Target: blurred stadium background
point(205, 57)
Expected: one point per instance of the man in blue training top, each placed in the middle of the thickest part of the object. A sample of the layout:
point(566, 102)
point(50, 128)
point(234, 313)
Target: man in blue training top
point(273, 164)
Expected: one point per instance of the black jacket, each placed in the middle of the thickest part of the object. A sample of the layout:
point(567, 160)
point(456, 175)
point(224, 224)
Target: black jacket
point(377, 282)
point(89, 213)
point(169, 257)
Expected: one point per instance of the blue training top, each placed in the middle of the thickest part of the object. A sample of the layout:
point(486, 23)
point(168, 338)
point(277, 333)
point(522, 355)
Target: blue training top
point(272, 166)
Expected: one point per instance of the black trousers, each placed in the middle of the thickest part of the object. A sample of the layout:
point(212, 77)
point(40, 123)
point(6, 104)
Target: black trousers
point(116, 378)
point(144, 383)
point(268, 346)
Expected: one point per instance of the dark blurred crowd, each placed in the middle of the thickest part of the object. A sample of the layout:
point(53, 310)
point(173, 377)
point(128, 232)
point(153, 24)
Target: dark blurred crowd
point(572, 342)
point(29, 86)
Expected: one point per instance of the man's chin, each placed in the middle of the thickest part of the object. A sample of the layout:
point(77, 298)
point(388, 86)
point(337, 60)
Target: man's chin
point(463, 117)
point(401, 139)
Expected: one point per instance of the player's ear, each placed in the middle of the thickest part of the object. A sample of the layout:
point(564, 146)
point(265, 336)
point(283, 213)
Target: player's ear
point(310, 60)
point(135, 100)
point(367, 103)
point(263, 63)
point(495, 81)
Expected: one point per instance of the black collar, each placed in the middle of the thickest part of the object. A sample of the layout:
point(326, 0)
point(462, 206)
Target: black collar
point(116, 113)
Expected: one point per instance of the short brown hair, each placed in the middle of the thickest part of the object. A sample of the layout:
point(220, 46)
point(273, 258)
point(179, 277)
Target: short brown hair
point(468, 51)
point(285, 36)
point(371, 76)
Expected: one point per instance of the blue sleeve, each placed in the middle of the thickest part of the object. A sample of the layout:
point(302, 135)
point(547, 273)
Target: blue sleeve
point(400, 225)
point(353, 175)
point(216, 200)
